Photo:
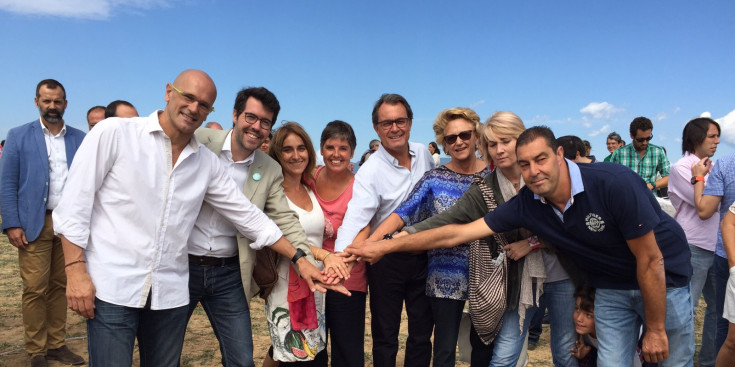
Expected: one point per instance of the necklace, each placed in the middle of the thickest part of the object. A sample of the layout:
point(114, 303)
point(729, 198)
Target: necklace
point(515, 185)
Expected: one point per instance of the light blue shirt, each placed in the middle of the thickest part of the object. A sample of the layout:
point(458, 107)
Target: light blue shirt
point(380, 186)
point(721, 182)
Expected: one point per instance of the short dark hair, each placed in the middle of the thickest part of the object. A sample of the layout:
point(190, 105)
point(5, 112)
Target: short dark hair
point(94, 108)
point(111, 109)
point(572, 145)
point(615, 136)
point(391, 99)
point(266, 97)
point(586, 296)
point(50, 84)
point(535, 132)
point(695, 131)
point(341, 130)
point(640, 123)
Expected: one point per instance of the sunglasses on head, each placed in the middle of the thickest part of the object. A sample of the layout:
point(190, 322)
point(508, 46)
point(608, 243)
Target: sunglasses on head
point(641, 140)
point(464, 135)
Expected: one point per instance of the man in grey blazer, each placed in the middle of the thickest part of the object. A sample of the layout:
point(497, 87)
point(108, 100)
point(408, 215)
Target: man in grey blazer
point(221, 261)
point(33, 172)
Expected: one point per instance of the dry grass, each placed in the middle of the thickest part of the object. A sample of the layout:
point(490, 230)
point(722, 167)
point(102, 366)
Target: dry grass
point(200, 347)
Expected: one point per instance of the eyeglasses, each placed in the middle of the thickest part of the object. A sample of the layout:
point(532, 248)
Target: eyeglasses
point(203, 106)
point(250, 118)
point(641, 140)
point(464, 135)
point(387, 124)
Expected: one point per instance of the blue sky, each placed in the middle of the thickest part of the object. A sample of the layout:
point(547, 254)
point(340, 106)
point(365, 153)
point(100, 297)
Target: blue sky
point(581, 67)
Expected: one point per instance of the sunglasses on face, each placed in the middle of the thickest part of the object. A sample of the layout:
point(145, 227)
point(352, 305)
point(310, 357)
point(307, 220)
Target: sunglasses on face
point(464, 135)
point(641, 140)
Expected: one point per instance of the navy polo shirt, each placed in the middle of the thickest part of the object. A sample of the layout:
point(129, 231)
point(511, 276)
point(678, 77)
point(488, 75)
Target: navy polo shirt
point(610, 204)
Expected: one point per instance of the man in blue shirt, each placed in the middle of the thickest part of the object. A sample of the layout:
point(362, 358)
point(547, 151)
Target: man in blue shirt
point(633, 253)
point(717, 192)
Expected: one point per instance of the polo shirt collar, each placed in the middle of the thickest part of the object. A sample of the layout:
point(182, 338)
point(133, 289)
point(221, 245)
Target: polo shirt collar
point(575, 177)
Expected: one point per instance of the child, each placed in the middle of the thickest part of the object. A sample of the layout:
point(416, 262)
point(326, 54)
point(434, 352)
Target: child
point(584, 322)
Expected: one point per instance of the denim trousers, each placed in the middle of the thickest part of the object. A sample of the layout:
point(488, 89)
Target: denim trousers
point(560, 301)
point(111, 335)
point(220, 291)
point(703, 283)
point(619, 315)
point(722, 274)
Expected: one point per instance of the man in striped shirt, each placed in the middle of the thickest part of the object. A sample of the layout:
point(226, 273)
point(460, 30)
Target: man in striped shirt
point(647, 160)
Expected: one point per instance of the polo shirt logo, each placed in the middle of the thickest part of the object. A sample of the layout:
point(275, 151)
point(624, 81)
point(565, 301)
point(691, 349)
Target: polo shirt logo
point(594, 222)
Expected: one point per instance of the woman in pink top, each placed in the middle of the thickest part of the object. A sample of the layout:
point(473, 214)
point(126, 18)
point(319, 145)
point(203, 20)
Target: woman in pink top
point(333, 187)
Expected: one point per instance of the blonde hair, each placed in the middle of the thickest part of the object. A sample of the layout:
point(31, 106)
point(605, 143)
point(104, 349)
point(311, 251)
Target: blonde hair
point(451, 114)
point(500, 123)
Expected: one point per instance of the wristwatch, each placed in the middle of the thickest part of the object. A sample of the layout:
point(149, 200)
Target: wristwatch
point(697, 178)
point(299, 254)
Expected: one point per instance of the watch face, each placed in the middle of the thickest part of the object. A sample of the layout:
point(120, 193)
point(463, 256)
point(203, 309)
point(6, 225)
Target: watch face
point(694, 180)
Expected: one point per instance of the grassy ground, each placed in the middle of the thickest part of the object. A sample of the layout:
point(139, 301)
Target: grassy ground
point(200, 347)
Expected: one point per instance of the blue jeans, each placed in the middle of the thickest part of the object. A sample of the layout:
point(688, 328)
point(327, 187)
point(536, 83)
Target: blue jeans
point(703, 282)
point(219, 289)
point(722, 273)
point(112, 332)
point(619, 315)
point(560, 300)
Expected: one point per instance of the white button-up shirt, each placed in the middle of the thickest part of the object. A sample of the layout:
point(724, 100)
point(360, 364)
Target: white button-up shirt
point(381, 184)
point(213, 235)
point(132, 210)
point(57, 164)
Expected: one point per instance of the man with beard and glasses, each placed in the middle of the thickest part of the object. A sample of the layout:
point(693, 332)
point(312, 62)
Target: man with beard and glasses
point(647, 160)
point(221, 262)
point(33, 172)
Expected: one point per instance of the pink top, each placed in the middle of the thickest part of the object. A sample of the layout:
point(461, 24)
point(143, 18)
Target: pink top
point(334, 213)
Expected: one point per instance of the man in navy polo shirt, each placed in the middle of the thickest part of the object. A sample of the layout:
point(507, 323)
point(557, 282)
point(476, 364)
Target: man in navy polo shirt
point(633, 253)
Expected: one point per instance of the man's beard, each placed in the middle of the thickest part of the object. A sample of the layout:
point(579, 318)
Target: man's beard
point(53, 118)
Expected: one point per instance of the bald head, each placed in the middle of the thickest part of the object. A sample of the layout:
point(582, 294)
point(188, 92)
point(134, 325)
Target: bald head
point(190, 99)
point(199, 80)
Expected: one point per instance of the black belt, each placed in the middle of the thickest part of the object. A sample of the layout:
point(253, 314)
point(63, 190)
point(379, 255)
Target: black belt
point(212, 261)
point(49, 211)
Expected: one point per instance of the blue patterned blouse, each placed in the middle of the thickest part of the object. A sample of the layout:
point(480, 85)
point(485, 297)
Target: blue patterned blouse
point(437, 191)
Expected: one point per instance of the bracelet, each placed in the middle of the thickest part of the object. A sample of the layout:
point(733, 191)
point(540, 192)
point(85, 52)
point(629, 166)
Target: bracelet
point(299, 254)
point(533, 242)
point(388, 236)
point(325, 257)
point(319, 252)
point(74, 262)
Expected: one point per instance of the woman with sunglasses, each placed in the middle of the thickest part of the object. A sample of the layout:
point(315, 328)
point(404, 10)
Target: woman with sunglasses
point(497, 143)
point(448, 270)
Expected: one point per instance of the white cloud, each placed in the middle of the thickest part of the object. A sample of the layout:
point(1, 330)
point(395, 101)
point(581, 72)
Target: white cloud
point(587, 124)
point(603, 130)
point(540, 120)
point(706, 114)
point(477, 104)
point(95, 9)
point(600, 110)
point(661, 116)
point(727, 127)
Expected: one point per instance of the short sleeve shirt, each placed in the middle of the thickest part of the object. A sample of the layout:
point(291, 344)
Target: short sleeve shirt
point(721, 182)
point(653, 162)
point(615, 206)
